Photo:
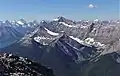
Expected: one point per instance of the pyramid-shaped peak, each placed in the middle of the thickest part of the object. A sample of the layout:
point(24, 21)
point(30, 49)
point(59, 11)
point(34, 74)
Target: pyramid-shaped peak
point(60, 19)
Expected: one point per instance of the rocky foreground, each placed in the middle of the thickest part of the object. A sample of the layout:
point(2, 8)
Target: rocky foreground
point(11, 65)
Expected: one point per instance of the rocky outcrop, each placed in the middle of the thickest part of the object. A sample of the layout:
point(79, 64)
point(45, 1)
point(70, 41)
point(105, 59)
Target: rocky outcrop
point(11, 65)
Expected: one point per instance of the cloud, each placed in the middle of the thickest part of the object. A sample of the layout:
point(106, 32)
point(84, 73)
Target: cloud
point(92, 6)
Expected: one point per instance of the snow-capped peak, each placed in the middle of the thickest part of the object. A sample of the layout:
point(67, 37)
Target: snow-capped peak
point(43, 22)
point(21, 23)
point(58, 18)
point(13, 21)
point(96, 20)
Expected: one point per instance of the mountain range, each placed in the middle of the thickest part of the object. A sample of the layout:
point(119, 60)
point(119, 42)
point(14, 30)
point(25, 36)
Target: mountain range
point(70, 48)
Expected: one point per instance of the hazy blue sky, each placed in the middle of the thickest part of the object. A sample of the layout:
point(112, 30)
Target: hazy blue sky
point(49, 9)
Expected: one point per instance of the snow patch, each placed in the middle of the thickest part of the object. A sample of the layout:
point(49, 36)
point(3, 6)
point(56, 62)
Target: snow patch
point(66, 24)
point(13, 22)
point(93, 29)
point(88, 41)
point(38, 38)
point(61, 31)
point(118, 22)
point(56, 19)
point(42, 21)
point(96, 20)
point(21, 23)
point(77, 39)
point(51, 33)
point(91, 41)
point(29, 25)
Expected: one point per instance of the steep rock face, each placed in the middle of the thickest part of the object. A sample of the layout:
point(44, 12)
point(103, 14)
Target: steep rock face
point(66, 56)
point(106, 65)
point(112, 47)
point(77, 51)
point(44, 36)
point(11, 65)
point(106, 34)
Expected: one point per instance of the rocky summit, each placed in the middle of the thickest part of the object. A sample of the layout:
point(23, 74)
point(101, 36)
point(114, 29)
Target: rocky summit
point(11, 65)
